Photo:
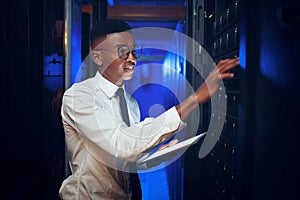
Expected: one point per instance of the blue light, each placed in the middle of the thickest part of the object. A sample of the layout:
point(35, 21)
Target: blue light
point(242, 51)
point(111, 2)
point(53, 71)
point(276, 59)
point(163, 24)
point(76, 41)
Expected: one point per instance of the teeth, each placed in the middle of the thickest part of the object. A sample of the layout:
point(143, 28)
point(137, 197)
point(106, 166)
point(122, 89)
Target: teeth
point(130, 67)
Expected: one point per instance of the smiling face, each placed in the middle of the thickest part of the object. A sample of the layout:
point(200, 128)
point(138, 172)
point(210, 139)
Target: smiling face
point(106, 55)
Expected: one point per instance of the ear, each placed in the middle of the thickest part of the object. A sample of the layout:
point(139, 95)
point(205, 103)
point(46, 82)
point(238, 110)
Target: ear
point(96, 56)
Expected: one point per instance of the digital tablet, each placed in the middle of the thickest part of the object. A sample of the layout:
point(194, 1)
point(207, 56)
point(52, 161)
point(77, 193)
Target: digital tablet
point(172, 149)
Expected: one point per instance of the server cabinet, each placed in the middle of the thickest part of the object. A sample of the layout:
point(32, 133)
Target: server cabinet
point(256, 156)
point(215, 25)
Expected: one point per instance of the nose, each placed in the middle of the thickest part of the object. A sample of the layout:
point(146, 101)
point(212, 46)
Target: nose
point(131, 58)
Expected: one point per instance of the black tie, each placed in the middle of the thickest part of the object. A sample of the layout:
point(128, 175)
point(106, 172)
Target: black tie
point(123, 106)
point(134, 178)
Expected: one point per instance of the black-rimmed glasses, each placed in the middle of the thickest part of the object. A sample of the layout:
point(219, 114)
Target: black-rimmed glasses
point(124, 51)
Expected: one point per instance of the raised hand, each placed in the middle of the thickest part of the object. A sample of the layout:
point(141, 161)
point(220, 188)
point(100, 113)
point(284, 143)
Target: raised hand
point(212, 82)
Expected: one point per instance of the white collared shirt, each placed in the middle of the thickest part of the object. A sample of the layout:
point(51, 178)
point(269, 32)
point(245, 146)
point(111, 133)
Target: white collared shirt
point(100, 144)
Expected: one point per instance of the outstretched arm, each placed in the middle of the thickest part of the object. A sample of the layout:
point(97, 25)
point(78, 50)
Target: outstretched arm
point(208, 88)
point(205, 91)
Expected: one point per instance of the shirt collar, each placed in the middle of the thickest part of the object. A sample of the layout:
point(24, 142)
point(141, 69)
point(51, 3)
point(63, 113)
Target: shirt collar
point(107, 87)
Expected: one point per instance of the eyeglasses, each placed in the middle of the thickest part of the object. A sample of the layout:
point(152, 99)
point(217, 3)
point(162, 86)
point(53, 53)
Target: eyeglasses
point(124, 51)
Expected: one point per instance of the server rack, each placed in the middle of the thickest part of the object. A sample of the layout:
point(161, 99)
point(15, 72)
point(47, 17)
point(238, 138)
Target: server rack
point(215, 26)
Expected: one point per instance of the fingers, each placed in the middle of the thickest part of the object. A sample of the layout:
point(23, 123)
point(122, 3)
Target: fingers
point(227, 75)
point(228, 60)
point(172, 142)
point(227, 64)
point(162, 147)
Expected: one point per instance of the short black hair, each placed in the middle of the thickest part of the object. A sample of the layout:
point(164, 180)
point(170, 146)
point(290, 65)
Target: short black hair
point(108, 26)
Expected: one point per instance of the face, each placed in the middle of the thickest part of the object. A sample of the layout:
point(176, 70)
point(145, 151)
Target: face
point(111, 66)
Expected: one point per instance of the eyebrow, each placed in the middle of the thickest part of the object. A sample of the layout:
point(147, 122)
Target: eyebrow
point(132, 45)
point(118, 45)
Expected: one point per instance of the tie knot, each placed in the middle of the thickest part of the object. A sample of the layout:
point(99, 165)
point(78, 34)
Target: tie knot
point(120, 92)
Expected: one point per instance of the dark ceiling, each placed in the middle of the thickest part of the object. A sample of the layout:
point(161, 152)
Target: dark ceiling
point(147, 3)
point(141, 2)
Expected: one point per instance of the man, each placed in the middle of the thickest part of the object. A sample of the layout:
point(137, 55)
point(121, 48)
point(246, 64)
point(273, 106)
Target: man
point(103, 142)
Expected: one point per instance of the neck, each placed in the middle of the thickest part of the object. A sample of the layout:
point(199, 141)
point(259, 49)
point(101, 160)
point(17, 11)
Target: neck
point(118, 83)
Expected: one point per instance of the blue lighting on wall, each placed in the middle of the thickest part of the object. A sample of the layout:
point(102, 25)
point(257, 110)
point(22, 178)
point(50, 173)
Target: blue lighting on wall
point(53, 72)
point(277, 61)
point(110, 2)
point(162, 24)
point(76, 41)
point(154, 94)
point(242, 51)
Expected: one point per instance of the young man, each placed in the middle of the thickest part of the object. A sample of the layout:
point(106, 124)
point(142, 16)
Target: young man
point(102, 139)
